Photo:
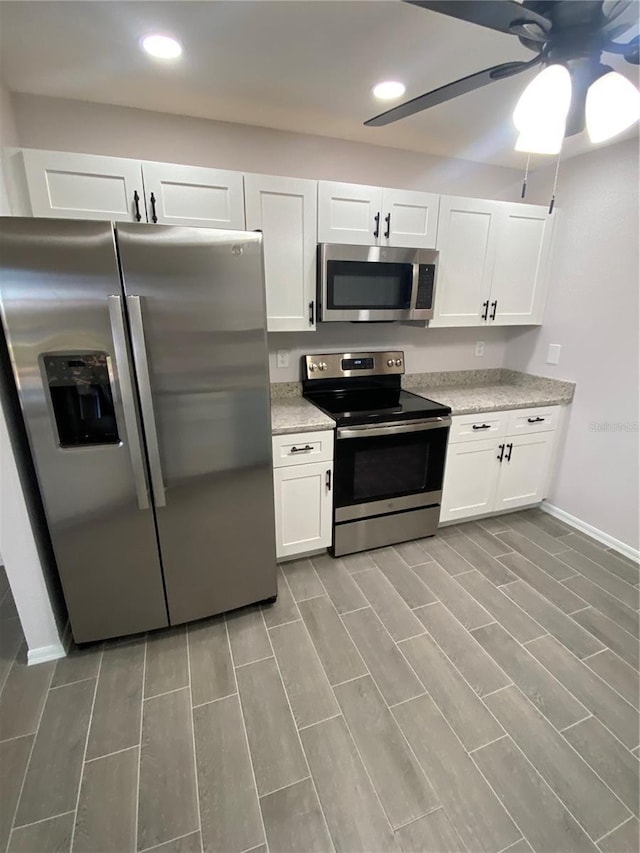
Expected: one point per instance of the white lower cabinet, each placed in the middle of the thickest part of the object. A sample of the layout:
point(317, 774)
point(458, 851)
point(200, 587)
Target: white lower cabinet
point(303, 491)
point(524, 470)
point(505, 472)
point(470, 480)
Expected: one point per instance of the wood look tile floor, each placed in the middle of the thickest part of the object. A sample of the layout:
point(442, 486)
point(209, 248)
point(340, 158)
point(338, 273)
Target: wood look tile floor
point(476, 691)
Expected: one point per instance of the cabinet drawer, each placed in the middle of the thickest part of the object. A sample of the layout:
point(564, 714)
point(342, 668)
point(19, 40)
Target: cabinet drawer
point(302, 448)
point(539, 419)
point(483, 425)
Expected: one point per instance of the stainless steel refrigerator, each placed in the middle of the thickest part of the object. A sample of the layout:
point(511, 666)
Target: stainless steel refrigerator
point(140, 359)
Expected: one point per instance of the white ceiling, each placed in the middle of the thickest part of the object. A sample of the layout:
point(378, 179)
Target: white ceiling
point(299, 65)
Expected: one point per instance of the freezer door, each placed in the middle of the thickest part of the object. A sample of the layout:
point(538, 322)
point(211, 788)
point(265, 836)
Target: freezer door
point(196, 304)
point(62, 307)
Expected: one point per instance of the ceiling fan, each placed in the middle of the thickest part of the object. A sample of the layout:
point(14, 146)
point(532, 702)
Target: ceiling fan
point(568, 37)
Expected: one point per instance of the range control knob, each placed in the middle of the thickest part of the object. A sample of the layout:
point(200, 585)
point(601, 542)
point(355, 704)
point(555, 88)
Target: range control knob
point(323, 365)
point(313, 367)
point(390, 362)
point(398, 362)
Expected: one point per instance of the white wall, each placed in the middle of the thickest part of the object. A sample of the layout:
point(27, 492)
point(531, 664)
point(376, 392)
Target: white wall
point(426, 350)
point(27, 574)
point(65, 125)
point(592, 311)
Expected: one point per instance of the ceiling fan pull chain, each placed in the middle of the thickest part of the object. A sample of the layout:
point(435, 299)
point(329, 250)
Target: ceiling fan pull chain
point(555, 183)
point(526, 175)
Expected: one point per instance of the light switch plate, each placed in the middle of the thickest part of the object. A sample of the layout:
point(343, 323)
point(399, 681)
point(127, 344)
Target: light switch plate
point(553, 355)
point(282, 358)
point(479, 348)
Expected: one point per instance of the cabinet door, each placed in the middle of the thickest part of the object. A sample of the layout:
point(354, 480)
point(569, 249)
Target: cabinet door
point(303, 500)
point(192, 195)
point(519, 281)
point(284, 209)
point(466, 242)
point(347, 214)
point(523, 476)
point(470, 479)
point(83, 186)
point(409, 219)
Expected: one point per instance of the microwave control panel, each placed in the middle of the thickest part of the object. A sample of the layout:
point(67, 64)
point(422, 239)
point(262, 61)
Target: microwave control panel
point(426, 278)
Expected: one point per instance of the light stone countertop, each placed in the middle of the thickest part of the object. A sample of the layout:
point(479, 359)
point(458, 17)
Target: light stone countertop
point(295, 414)
point(493, 391)
point(466, 391)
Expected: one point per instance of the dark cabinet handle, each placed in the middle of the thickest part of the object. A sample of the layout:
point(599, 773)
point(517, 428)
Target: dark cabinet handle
point(152, 199)
point(376, 232)
point(327, 480)
point(485, 309)
point(494, 306)
point(136, 201)
point(535, 420)
point(387, 219)
point(481, 426)
point(304, 449)
point(507, 458)
point(499, 458)
point(311, 313)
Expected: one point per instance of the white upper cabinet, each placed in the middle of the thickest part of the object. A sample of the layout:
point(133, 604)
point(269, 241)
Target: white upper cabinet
point(518, 287)
point(493, 266)
point(467, 246)
point(349, 213)
point(192, 195)
point(409, 218)
point(376, 216)
point(83, 186)
point(284, 209)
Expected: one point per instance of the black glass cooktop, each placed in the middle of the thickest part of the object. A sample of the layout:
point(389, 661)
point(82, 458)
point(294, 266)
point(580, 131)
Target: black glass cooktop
point(375, 405)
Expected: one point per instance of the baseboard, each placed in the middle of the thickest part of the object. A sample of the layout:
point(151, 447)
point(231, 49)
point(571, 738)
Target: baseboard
point(45, 653)
point(600, 535)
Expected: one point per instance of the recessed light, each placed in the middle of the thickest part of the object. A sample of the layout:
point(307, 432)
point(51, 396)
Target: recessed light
point(162, 47)
point(389, 90)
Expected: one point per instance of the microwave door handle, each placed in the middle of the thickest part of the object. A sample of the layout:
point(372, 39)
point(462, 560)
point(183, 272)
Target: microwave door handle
point(123, 387)
point(392, 429)
point(146, 398)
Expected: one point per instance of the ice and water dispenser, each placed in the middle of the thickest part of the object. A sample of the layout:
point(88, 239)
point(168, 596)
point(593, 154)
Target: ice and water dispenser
point(81, 398)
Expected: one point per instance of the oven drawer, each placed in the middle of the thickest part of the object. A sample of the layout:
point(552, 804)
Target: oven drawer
point(540, 419)
point(478, 426)
point(302, 448)
point(385, 530)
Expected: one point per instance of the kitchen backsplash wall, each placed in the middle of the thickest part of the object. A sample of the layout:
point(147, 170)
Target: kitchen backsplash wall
point(425, 350)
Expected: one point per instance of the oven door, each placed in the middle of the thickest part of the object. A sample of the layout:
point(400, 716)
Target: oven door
point(389, 467)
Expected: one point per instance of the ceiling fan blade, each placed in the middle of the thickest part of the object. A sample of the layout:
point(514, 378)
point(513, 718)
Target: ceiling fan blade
point(630, 50)
point(498, 15)
point(451, 90)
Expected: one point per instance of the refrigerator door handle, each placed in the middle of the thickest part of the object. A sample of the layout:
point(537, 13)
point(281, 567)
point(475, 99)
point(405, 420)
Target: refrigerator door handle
point(146, 398)
point(124, 389)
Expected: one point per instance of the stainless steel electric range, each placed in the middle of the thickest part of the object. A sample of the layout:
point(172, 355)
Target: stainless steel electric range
point(390, 449)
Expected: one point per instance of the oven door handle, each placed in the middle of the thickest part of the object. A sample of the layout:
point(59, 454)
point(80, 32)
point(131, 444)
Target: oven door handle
point(392, 428)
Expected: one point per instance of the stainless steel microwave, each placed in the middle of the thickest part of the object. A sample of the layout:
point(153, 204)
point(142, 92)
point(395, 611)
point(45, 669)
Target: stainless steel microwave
point(368, 284)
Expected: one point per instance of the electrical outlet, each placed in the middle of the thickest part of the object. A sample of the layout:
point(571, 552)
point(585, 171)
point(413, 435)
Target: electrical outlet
point(479, 348)
point(553, 355)
point(282, 358)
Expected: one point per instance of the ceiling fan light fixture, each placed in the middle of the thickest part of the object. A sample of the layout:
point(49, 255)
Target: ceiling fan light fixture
point(613, 105)
point(541, 112)
point(389, 90)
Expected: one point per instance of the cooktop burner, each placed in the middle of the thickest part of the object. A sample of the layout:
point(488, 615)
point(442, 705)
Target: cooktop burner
point(358, 388)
